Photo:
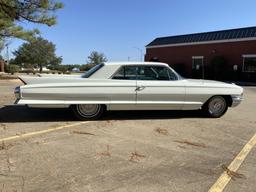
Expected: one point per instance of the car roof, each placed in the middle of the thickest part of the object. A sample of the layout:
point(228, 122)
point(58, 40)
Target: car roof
point(135, 63)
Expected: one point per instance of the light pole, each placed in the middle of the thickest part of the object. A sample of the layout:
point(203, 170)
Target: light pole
point(140, 51)
point(7, 56)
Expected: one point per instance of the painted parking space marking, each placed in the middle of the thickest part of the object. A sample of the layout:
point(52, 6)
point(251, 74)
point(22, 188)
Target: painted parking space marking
point(224, 179)
point(42, 131)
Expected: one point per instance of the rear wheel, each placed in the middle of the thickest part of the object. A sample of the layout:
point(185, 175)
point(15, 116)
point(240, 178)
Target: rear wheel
point(215, 107)
point(88, 111)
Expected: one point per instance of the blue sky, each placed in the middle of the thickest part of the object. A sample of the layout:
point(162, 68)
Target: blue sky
point(117, 27)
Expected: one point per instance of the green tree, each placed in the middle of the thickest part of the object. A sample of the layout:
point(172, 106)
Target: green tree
point(60, 68)
point(86, 67)
point(38, 53)
point(96, 58)
point(13, 12)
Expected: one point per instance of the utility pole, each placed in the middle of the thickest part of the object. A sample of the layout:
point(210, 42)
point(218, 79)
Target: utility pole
point(7, 56)
point(141, 53)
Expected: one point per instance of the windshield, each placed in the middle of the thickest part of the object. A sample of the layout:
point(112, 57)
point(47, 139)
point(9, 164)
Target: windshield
point(90, 72)
point(179, 76)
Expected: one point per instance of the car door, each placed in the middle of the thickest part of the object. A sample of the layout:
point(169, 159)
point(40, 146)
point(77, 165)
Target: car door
point(123, 94)
point(159, 88)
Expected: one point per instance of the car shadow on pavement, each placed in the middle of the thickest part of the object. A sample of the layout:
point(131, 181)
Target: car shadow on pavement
point(9, 114)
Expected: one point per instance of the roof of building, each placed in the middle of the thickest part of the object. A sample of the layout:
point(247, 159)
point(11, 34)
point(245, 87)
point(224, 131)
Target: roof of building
point(224, 35)
point(134, 63)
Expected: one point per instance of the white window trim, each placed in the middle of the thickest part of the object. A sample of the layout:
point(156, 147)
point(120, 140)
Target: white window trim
point(197, 57)
point(248, 56)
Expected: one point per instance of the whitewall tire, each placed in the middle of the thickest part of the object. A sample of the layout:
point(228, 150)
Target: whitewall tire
point(215, 107)
point(88, 111)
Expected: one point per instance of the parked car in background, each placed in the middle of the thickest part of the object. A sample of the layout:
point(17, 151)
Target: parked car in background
point(128, 86)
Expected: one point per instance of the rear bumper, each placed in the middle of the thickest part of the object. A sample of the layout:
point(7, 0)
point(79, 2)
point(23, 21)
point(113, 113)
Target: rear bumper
point(16, 102)
point(236, 100)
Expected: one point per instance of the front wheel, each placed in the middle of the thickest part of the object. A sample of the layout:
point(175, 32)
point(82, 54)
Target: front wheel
point(215, 107)
point(88, 111)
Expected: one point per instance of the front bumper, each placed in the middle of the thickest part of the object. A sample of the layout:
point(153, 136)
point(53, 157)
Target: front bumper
point(236, 100)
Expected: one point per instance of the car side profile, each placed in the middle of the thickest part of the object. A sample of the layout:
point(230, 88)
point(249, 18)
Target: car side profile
point(128, 86)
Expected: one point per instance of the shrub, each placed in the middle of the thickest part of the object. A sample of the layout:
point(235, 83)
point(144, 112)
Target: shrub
point(86, 67)
point(12, 68)
point(27, 71)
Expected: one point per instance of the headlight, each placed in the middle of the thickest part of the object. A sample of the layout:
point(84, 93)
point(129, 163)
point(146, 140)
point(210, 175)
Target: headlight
point(17, 92)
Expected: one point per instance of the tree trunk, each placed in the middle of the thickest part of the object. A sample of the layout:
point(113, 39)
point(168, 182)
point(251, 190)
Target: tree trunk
point(41, 68)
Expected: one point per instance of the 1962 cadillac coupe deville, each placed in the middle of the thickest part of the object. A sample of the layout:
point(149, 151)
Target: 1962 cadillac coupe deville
point(128, 86)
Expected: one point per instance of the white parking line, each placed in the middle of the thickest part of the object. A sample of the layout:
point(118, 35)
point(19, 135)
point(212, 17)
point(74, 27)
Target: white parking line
point(42, 132)
point(224, 179)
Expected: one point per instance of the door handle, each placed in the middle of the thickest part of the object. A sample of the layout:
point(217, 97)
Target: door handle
point(140, 88)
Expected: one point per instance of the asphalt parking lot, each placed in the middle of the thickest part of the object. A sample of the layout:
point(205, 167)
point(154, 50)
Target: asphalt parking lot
point(48, 150)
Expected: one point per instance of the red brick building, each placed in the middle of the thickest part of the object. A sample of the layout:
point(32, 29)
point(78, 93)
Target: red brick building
point(222, 55)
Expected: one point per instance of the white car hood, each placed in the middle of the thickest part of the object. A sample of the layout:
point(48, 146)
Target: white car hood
point(208, 83)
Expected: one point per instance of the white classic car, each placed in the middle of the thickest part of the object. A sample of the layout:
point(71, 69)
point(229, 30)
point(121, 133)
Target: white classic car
point(128, 86)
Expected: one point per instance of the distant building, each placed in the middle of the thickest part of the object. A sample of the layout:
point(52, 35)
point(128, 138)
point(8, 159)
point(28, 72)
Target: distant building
point(75, 70)
point(221, 55)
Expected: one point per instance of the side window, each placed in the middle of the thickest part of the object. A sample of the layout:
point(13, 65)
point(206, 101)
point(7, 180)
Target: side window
point(126, 73)
point(130, 72)
point(155, 73)
point(119, 74)
point(163, 73)
point(172, 75)
point(146, 73)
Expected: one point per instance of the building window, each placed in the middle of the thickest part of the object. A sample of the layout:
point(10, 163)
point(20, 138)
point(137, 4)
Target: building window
point(249, 64)
point(197, 62)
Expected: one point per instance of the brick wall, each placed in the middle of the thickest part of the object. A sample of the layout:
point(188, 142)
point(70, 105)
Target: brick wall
point(180, 58)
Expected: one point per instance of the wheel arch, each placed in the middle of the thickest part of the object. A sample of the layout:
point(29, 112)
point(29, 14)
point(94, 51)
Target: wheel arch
point(103, 105)
point(227, 98)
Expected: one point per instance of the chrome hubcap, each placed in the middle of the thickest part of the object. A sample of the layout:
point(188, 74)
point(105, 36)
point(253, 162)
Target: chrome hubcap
point(88, 110)
point(217, 106)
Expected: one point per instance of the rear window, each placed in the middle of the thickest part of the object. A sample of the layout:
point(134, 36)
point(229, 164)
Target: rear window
point(93, 70)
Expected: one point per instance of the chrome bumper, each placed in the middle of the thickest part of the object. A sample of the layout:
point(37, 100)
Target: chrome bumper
point(236, 100)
